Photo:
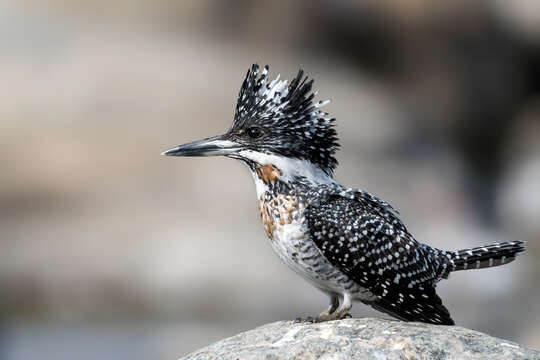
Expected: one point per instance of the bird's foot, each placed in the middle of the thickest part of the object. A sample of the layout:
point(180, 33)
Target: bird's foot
point(334, 316)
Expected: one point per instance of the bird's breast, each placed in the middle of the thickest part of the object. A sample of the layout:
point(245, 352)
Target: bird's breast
point(282, 211)
point(279, 212)
point(286, 228)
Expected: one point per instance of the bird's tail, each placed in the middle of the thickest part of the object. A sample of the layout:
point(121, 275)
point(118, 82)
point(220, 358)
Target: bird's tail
point(485, 256)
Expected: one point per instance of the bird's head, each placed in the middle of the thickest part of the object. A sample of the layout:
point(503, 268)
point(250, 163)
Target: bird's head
point(276, 123)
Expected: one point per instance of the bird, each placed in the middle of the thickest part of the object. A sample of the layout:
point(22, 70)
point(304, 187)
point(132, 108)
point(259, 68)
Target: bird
point(348, 243)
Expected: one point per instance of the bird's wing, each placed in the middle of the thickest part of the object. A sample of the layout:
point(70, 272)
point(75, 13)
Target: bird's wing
point(362, 236)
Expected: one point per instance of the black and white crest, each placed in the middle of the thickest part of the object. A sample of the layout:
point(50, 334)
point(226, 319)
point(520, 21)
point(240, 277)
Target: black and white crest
point(291, 124)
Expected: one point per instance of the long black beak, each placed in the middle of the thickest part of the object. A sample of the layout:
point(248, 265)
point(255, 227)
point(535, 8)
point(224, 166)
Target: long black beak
point(212, 146)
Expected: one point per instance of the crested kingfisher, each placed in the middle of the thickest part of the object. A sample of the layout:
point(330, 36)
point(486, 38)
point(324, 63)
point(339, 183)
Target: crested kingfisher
point(347, 242)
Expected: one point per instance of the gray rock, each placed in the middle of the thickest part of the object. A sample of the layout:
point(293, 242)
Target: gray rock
point(362, 339)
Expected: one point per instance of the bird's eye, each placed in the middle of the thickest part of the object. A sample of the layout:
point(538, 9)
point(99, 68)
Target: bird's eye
point(253, 132)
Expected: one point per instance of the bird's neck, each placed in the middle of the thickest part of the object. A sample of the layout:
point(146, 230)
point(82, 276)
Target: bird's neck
point(279, 174)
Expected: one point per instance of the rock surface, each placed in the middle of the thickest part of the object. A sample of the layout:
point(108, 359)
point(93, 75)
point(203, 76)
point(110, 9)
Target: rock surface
point(362, 339)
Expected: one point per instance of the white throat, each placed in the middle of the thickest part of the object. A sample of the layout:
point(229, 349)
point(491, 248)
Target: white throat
point(290, 169)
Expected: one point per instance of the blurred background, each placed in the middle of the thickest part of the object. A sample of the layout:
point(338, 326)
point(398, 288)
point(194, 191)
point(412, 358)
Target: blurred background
point(109, 250)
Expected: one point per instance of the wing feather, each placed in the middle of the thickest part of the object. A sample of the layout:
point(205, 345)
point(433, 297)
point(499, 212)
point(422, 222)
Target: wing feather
point(362, 236)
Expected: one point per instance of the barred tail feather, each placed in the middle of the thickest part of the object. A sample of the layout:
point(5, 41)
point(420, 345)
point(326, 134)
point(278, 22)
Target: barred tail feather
point(485, 256)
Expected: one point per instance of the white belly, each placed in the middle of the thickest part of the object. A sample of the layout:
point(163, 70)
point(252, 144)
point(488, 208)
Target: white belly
point(294, 247)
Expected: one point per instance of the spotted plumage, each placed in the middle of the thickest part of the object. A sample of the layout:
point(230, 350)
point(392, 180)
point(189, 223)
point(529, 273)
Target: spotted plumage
point(346, 242)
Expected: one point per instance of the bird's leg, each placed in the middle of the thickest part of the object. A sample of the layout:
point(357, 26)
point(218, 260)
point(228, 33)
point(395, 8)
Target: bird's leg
point(341, 312)
point(334, 303)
